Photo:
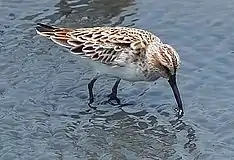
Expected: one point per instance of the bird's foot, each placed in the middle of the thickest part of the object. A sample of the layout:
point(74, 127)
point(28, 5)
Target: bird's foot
point(113, 97)
point(91, 100)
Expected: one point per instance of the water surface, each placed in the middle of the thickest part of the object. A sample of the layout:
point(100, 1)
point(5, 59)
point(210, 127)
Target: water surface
point(43, 88)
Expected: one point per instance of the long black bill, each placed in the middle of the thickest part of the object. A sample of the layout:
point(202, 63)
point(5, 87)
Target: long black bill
point(172, 82)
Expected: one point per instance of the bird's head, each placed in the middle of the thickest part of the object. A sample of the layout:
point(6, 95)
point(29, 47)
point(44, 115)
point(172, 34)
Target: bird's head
point(165, 61)
point(168, 60)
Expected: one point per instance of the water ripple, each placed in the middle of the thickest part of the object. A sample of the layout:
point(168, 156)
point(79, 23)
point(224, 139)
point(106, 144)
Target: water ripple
point(43, 89)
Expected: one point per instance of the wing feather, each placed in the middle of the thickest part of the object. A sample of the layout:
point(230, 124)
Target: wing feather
point(102, 44)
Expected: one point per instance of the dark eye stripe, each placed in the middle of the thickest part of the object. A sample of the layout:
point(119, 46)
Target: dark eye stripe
point(166, 69)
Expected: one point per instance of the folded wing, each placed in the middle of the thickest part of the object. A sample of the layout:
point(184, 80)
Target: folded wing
point(102, 44)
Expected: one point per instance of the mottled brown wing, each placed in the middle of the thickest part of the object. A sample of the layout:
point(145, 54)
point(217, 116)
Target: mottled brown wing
point(102, 44)
point(96, 51)
point(121, 36)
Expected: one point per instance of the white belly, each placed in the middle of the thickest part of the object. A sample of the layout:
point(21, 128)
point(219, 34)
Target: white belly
point(129, 73)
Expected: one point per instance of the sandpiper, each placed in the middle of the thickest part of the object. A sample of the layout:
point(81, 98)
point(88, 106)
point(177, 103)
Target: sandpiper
point(121, 52)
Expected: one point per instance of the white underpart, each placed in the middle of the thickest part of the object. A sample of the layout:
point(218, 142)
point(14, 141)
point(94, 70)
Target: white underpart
point(129, 72)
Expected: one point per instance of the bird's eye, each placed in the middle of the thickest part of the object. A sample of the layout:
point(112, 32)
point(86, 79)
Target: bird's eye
point(166, 69)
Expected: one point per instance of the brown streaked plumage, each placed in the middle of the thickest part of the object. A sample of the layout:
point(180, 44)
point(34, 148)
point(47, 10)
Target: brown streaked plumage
point(121, 52)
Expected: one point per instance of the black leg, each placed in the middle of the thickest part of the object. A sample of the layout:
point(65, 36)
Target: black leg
point(113, 95)
point(90, 87)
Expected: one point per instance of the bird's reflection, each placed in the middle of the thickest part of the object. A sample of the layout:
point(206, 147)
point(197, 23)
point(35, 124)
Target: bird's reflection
point(81, 13)
point(118, 133)
point(135, 134)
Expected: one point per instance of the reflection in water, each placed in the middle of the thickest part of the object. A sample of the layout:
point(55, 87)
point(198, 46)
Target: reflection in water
point(131, 135)
point(80, 13)
point(120, 134)
point(42, 87)
point(106, 133)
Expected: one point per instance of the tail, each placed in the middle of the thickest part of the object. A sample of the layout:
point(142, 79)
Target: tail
point(56, 34)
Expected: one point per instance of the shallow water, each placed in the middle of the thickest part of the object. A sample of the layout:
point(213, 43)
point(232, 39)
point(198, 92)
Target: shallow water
point(43, 88)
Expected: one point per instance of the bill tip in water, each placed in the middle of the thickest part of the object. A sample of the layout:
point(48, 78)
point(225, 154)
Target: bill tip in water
point(180, 113)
